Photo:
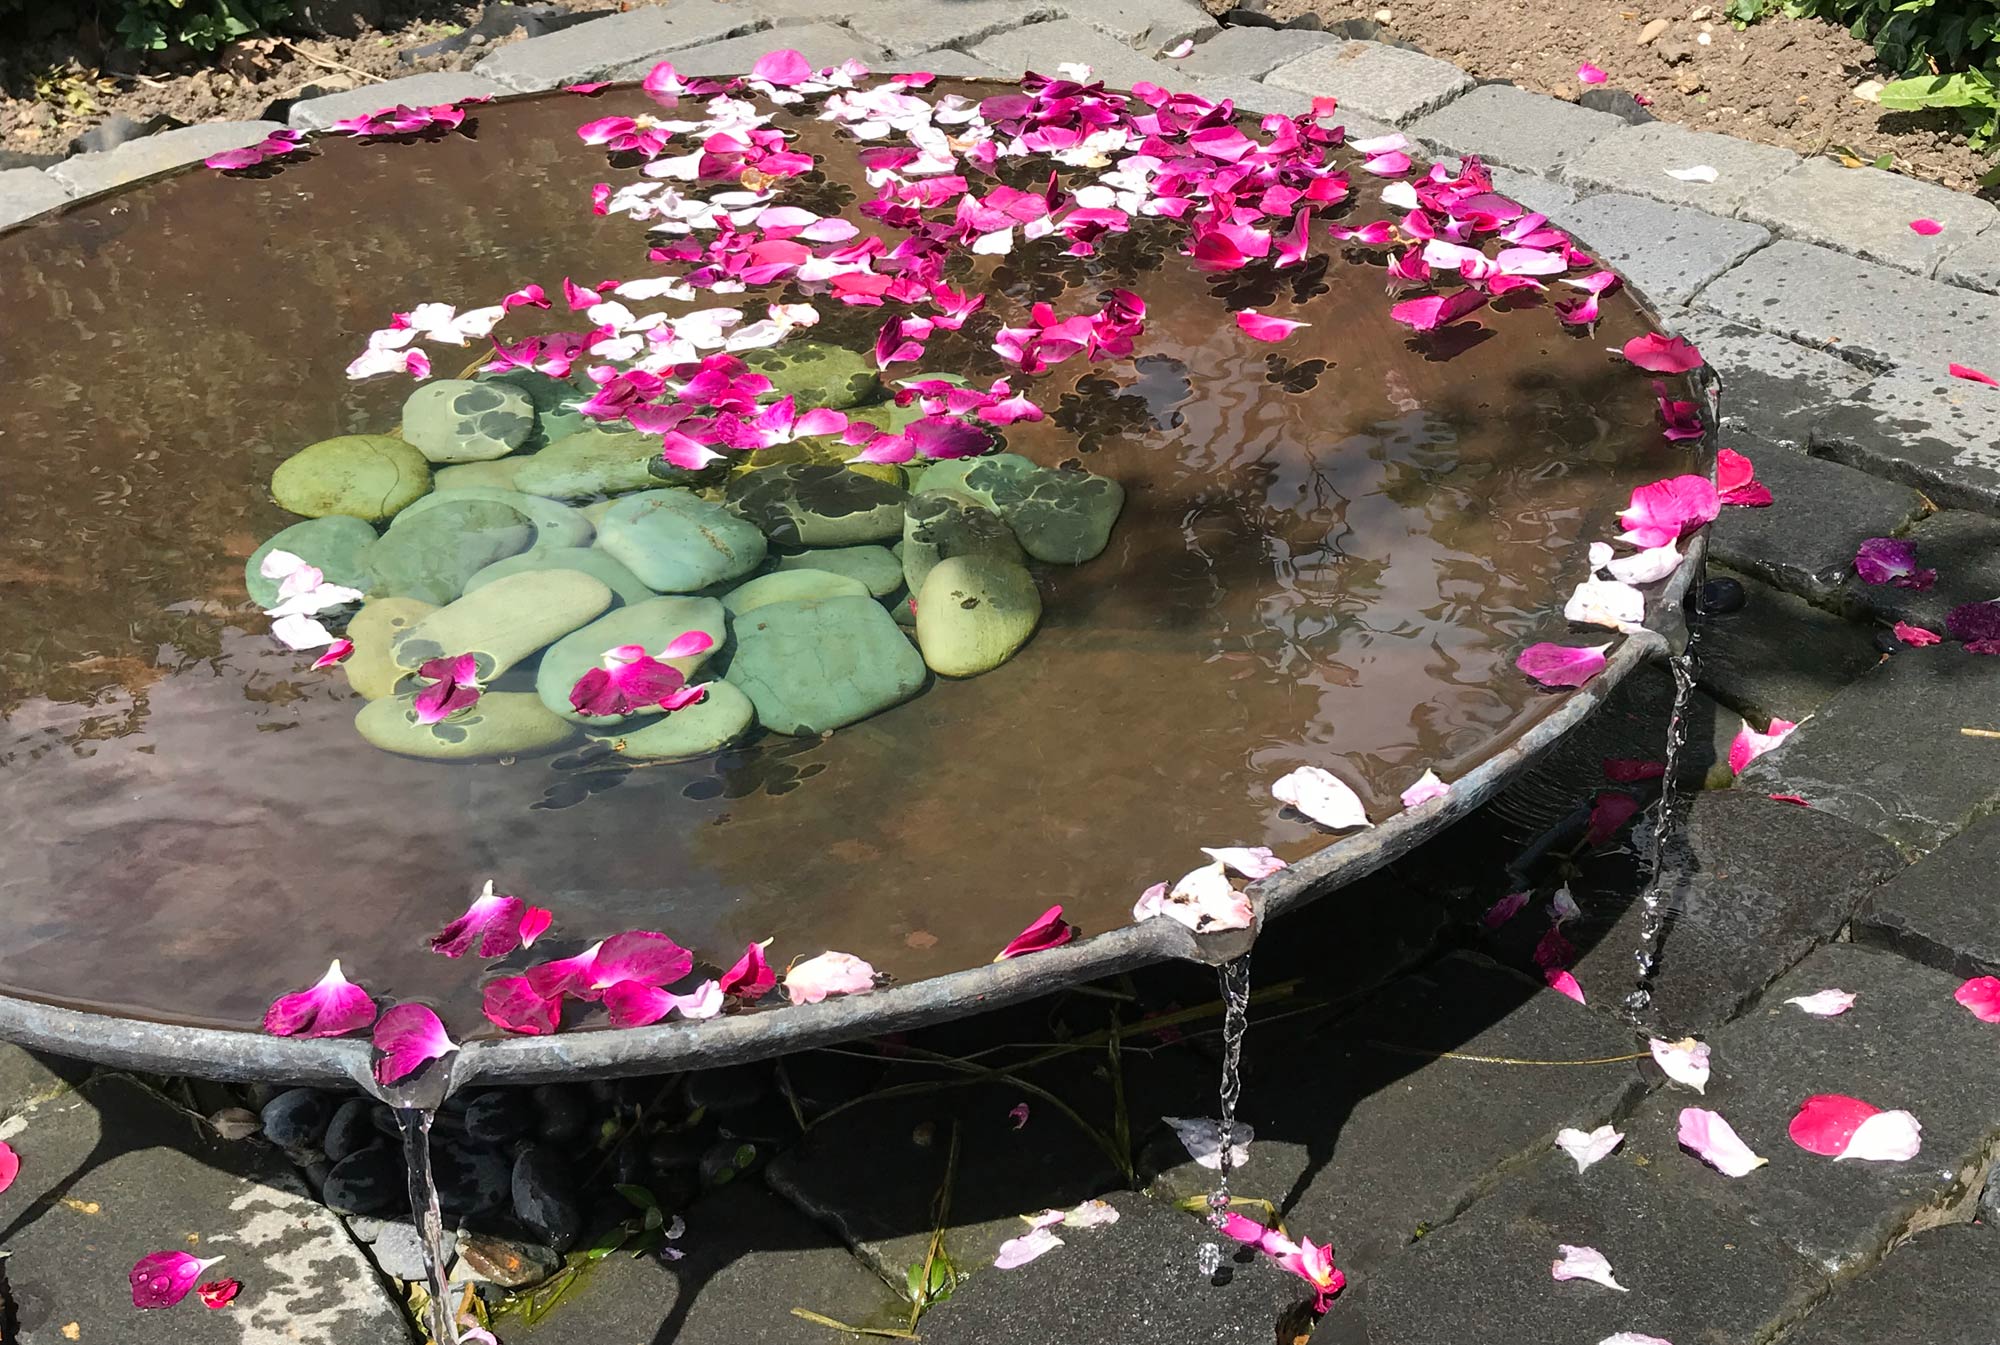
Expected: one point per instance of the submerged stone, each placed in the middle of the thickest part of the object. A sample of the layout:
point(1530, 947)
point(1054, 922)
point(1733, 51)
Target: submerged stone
point(875, 566)
point(818, 665)
point(495, 475)
point(816, 374)
point(585, 559)
point(652, 624)
point(593, 462)
point(505, 621)
point(940, 526)
point(823, 451)
point(553, 400)
point(1063, 518)
point(432, 554)
point(335, 544)
point(556, 524)
point(457, 420)
point(503, 723)
point(973, 613)
point(711, 724)
point(790, 586)
point(372, 669)
point(369, 476)
point(677, 542)
point(807, 504)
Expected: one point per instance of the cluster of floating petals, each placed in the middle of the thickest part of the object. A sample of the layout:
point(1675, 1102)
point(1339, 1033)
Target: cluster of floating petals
point(1891, 560)
point(1716, 1143)
point(1310, 1261)
point(405, 120)
point(452, 685)
point(406, 1038)
point(1748, 744)
point(330, 1007)
point(162, 1279)
point(630, 679)
point(494, 925)
point(1583, 1263)
point(303, 594)
point(1836, 1126)
point(1205, 900)
point(275, 146)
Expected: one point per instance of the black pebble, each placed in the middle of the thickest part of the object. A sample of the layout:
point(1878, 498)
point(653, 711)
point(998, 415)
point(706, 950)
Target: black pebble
point(1720, 597)
point(545, 1198)
point(499, 1116)
point(297, 1119)
point(564, 1117)
point(369, 1182)
point(351, 1130)
point(471, 1180)
point(1886, 641)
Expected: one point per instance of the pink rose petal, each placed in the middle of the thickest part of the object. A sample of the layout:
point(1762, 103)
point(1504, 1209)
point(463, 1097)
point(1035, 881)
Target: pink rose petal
point(1045, 931)
point(511, 1004)
point(1555, 665)
point(1430, 313)
point(1749, 744)
point(329, 1008)
point(1252, 861)
point(1590, 74)
point(1736, 481)
point(1716, 1143)
point(1563, 983)
point(1981, 995)
point(1916, 636)
point(1927, 227)
point(1258, 327)
point(1662, 354)
point(1321, 796)
point(1827, 1121)
point(162, 1279)
point(1018, 1114)
point(1684, 1061)
point(812, 980)
point(751, 977)
point(638, 955)
point(1824, 1003)
point(218, 1294)
point(406, 1038)
point(1662, 511)
point(1017, 1252)
point(1634, 1337)
point(1583, 1263)
point(1972, 375)
point(10, 1165)
point(1427, 787)
point(1585, 1148)
point(335, 653)
point(1891, 560)
point(495, 924)
point(1505, 909)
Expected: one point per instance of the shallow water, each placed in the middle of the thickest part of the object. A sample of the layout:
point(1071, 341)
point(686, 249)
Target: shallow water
point(1332, 550)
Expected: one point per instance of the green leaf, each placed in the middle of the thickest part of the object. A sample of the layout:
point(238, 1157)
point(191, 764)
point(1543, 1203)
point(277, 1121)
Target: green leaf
point(638, 1196)
point(1967, 89)
point(914, 1283)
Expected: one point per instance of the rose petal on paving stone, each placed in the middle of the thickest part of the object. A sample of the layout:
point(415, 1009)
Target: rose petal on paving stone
point(1926, 227)
point(1633, 1338)
point(1981, 995)
point(1716, 1144)
point(1587, 1148)
point(1972, 375)
point(1016, 1252)
point(1824, 1003)
point(1684, 1061)
point(1564, 984)
point(1583, 1263)
point(1885, 1137)
point(1700, 172)
point(1826, 1122)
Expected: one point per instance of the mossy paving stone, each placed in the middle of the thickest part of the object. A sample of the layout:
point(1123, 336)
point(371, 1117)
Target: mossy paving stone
point(1938, 1288)
point(501, 724)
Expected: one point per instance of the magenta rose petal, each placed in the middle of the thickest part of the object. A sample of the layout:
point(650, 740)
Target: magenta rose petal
point(1555, 665)
point(511, 1004)
point(1972, 375)
point(1662, 354)
point(1045, 931)
point(329, 1008)
point(408, 1037)
point(639, 955)
point(1981, 996)
point(162, 1279)
point(1929, 228)
point(1259, 327)
point(751, 977)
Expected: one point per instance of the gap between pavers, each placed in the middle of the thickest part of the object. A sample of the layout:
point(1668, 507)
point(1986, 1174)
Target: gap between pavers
point(1944, 910)
point(1938, 1288)
point(1921, 426)
point(593, 50)
point(1867, 212)
point(1669, 252)
point(1777, 656)
point(1773, 388)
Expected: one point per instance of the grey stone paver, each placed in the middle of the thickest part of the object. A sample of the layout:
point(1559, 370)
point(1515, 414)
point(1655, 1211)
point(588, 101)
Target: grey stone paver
point(1513, 128)
point(1804, 541)
point(1043, 46)
point(1867, 212)
point(1668, 251)
point(1539, 194)
point(1905, 1044)
point(1887, 753)
point(1387, 83)
point(1148, 26)
point(1944, 909)
point(1636, 161)
point(1922, 426)
point(446, 86)
point(908, 26)
point(1772, 387)
point(941, 62)
point(1754, 884)
point(1871, 313)
point(152, 154)
point(1694, 1269)
point(110, 1172)
point(1337, 1104)
point(1964, 549)
point(1136, 1280)
point(1938, 1288)
point(1250, 53)
point(28, 191)
point(1777, 656)
point(1251, 96)
point(593, 50)
point(822, 44)
point(1975, 262)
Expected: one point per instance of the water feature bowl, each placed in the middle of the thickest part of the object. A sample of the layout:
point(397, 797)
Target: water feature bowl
point(1331, 550)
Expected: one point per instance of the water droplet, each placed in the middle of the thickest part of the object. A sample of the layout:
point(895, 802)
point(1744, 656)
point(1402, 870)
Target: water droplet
point(1209, 1258)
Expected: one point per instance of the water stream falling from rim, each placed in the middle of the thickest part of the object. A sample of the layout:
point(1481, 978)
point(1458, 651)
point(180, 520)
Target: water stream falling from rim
point(416, 1127)
point(1234, 976)
point(1653, 921)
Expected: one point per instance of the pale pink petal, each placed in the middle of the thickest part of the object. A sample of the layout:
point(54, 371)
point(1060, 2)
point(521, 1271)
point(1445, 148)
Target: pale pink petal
point(1701, 172)
point(1091, 1214)
point(1885, 1137)
point(162, 1279)
point(1427, 787)
point(301, 632)
point(1201, 1136)
point(1749, 744)
point(1562, 906)
point(1258, 327)
point(1716, 1143)
point(1684, 1061)
point(1927, 227)
point(1583, 1263)
point(1179, 49)
point(1634, 1338)
point(1018, 1114)
point(812, 980)
point(1825, 1003)
point(1649, 566)
point(1590, 74)
point(1587, 1148)
point(1563, 983)
point(1555, 665)
point(329, 1008)
point(1205, 900)
point(1152, 902)
point(1017, 1252)
point(1606, 602)
point(1321, 796)
point(1252, 861)
point(1981, 995)
point(407, 1037)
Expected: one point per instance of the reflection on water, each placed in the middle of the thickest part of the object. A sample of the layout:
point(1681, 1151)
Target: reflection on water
point(1331, 552)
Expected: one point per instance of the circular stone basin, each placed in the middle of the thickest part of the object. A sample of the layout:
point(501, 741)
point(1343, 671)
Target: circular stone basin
point(1332, 549)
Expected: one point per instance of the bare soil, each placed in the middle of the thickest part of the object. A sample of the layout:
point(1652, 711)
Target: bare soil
point(1789, 82)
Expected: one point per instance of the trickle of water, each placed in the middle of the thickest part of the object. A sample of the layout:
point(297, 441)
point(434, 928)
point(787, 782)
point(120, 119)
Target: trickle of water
point(1208, 1258)
point(1235, 978)
point(416, 1127)
point(1653, 919)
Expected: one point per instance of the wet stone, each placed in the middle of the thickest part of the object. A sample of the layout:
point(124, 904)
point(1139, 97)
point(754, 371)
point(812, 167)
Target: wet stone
point(372, 669)
point(507, 1262)
point(458, 420)
point(1773, 388)
point(939, 526)
point(1061, 517)
point(1944, 910)
point(351, 1130)
point(810, 667)
point(1964, 549)
point(791, 585)
point(1804, 542)
point(1939, 1288)
point(1904, 1035)
point(1779, 656)
point(369, 1181)
point(471, 1179)
point(556, 524)
point(506, 621)
point(805, 504)
point(399, 1251)
point(335, 544)
point(431, 556)
point(974, 613)
point(655, 624)
point(719, 718)
point(1137, 1279)
point(564, 1115)
point(297, 1119)
point(1668, 251)
point(624, 585)
point(367, 476)
point(729, 1089)
point(112, 1171)
point(1925, 428)
point(1753, 884)
point(1337, 1103)
point(502, 724)
point(588, 463)
point(499, 1116)
point(815, 374)
point(676, 542)
point(545, 1197)
point(875, 566)
point(1887, 753)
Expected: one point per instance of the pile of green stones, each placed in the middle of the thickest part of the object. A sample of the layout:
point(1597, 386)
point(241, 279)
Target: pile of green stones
point(521, 532)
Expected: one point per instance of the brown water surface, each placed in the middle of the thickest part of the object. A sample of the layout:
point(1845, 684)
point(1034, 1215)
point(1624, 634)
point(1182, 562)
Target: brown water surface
point(1332, 551)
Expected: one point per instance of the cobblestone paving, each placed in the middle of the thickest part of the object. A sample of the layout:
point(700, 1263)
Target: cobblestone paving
point(1830, 323)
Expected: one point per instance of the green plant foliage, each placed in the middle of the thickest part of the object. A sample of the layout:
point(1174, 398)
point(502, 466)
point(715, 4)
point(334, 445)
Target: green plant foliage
point(152, 25)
